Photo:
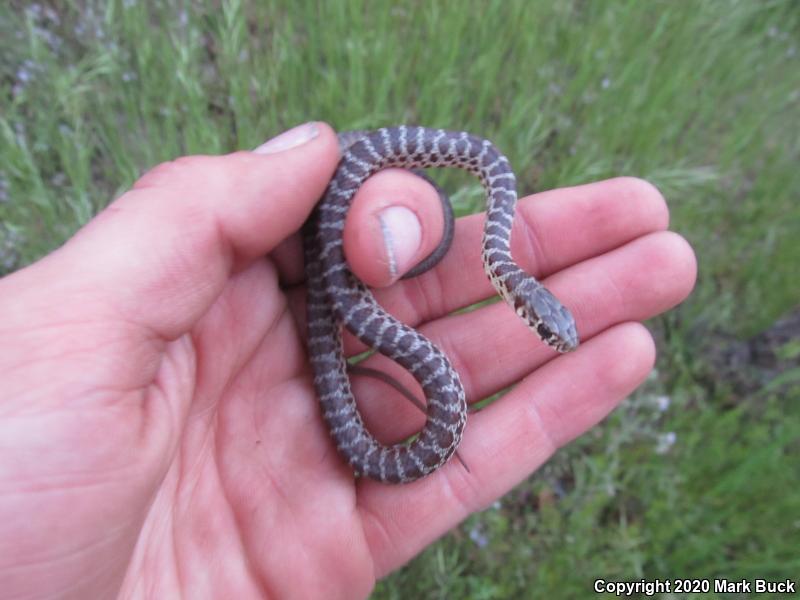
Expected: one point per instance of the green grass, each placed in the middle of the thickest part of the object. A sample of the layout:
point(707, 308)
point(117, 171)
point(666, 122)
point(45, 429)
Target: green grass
point(702, 98)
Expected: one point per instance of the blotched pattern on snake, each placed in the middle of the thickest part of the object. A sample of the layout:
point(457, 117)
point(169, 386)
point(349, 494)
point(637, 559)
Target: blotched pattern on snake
point(337, 298)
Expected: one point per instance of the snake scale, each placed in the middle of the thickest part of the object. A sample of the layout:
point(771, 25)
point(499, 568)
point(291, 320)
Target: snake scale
point(337, 298)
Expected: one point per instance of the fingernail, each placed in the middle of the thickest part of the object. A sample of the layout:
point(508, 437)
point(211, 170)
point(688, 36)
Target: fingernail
point(402, 235)
point(296, 136)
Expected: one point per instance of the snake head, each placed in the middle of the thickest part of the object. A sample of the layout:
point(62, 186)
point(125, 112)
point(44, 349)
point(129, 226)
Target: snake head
point(547, 317)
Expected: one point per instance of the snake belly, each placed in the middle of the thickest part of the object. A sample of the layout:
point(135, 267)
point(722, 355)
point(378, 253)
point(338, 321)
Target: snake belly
point(337, 298)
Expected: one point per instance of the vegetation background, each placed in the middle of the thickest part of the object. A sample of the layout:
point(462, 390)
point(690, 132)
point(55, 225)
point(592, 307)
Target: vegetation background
point(696, 475)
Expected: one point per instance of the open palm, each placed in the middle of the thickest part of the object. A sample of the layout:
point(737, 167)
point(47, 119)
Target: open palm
point(159, 426)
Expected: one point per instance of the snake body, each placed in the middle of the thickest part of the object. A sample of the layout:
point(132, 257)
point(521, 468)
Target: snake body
point(337, 298)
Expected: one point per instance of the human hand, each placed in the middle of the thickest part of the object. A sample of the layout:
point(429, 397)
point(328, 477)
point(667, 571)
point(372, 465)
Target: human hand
point(160, 432)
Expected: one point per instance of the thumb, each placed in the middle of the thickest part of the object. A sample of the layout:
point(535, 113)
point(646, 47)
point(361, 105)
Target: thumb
point(159, 255)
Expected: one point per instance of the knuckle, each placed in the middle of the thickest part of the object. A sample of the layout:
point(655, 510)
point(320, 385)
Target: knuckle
point(182, 172)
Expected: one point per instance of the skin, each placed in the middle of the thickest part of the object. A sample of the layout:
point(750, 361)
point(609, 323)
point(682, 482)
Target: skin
point(160, 434)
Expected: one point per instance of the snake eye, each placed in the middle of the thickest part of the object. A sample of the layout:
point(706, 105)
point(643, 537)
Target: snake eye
point(544, 332)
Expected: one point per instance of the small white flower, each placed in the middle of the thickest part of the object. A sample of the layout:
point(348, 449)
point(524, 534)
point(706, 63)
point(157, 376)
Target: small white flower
point(665, 442)
point(478, 537)
point(23, 75)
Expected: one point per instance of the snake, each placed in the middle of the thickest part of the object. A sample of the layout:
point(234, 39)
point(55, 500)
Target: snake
point(337, 299)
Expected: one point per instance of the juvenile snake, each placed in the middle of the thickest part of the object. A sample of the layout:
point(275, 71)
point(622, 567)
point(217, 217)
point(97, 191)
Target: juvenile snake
point(336, 298)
